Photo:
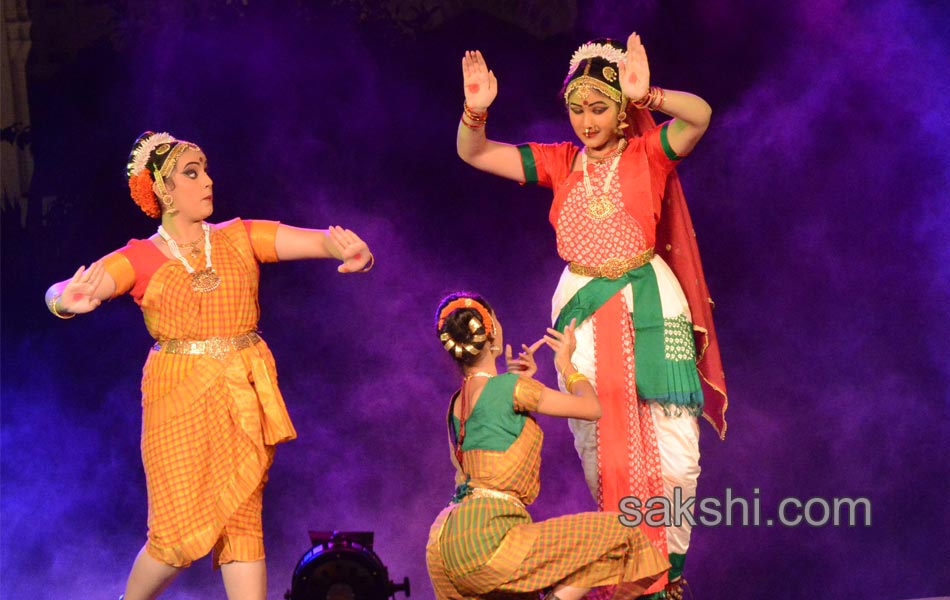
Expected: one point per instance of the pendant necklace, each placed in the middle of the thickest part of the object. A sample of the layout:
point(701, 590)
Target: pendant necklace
point(194, 250)
point(601, 207)
point(205, 280)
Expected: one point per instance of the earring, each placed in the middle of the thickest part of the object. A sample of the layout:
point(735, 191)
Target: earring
point(622, 115)
point(494, 349)
point(622, 124)
point(169, 205)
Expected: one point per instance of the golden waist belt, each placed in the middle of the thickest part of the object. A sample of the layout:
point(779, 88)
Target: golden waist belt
point(486, 493)
point(612, 268)
point(217, 347)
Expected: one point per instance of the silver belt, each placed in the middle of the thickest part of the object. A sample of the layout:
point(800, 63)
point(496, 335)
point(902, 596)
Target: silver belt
point(217, 347)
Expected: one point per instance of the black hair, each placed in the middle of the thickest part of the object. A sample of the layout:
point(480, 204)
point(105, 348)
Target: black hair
point(456, 329)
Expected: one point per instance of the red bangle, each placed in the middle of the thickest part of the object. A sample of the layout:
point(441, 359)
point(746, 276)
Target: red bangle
point(474, 116)
point(472, 126)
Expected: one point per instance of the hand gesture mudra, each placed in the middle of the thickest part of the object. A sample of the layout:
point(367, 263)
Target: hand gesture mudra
point(354, 251)
point(480, 84)
point(78, 296)
point(635, 71)
point(563, 345)
point(524, 364)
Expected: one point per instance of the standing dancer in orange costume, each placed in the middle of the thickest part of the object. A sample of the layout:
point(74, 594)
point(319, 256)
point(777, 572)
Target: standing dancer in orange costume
point(211, 409)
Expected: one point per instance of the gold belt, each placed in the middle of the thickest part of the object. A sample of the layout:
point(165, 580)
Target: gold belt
point(486, 493)
point(612, 268)
point(218, 347)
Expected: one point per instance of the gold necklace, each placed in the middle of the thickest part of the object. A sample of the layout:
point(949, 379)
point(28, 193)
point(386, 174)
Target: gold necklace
point(205, 280)
point(621, 146)
point(599, 207)
point(194, 249)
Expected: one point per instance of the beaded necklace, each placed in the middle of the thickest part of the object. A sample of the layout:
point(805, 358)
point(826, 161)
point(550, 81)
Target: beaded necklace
point(205, 280)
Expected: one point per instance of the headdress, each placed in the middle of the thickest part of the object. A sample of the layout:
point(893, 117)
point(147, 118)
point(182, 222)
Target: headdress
point(595, 65)
point(484, 321)
point(153, 158)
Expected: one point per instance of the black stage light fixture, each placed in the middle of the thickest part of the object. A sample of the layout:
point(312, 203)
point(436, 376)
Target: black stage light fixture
point(342, 566)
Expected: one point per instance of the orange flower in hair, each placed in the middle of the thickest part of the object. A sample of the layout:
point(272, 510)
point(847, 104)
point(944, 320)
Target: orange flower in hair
point(475, 305)
point(140, 186)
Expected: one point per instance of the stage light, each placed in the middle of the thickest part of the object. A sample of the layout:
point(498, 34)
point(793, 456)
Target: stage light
point(342, 566)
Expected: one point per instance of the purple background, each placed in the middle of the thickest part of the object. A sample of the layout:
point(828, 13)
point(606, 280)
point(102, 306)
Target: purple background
point(820, 196)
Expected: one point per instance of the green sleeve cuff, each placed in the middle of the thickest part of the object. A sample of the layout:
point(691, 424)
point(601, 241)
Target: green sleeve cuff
point(665, 142)
point(527, 161)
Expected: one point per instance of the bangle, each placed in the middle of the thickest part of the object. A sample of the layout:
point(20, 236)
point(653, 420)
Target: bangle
point(369, 264)
point(572, 379)
point(51, 304)
point(478, 120)
point(474, 116)
point(472, 126)
point(652, 100)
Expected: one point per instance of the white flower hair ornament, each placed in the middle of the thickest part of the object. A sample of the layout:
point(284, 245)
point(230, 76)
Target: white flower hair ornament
point(142, 153)
point(589, 51)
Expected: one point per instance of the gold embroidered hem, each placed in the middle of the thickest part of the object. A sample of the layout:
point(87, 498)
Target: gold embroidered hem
point(527, 394)
point(487, 493)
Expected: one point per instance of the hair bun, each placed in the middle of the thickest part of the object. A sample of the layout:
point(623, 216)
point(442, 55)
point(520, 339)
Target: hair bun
point(464, 324)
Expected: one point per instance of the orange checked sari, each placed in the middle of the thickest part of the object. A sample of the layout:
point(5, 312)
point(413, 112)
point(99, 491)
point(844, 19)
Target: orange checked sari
point(209, 422)
point(484, 543)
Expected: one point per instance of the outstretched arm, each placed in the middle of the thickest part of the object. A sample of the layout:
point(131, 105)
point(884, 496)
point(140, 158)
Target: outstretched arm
point(81, 293)
point(295, 243)
point(690, 113)
point(473, 146)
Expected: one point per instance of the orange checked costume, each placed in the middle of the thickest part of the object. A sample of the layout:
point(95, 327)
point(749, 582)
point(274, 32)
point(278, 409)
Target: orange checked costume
point(211, 409)
point(485, 544)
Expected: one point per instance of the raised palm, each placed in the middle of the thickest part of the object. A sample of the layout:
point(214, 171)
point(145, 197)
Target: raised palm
point(635, 70)
point(480, 84)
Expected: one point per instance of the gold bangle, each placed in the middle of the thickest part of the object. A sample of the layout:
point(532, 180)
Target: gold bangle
point(572, 379)
point(475, 125)
point(51, 304)
point(474, 116)
point(369, 264)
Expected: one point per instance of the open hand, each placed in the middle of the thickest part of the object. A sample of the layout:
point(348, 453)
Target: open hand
point(79, 294)
point(481, 87)
point(524, 364)
point(635, 71)
point(354, 251)
point(563, 345)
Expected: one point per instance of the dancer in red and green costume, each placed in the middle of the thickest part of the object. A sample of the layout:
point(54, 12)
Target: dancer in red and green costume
point(634, 280)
